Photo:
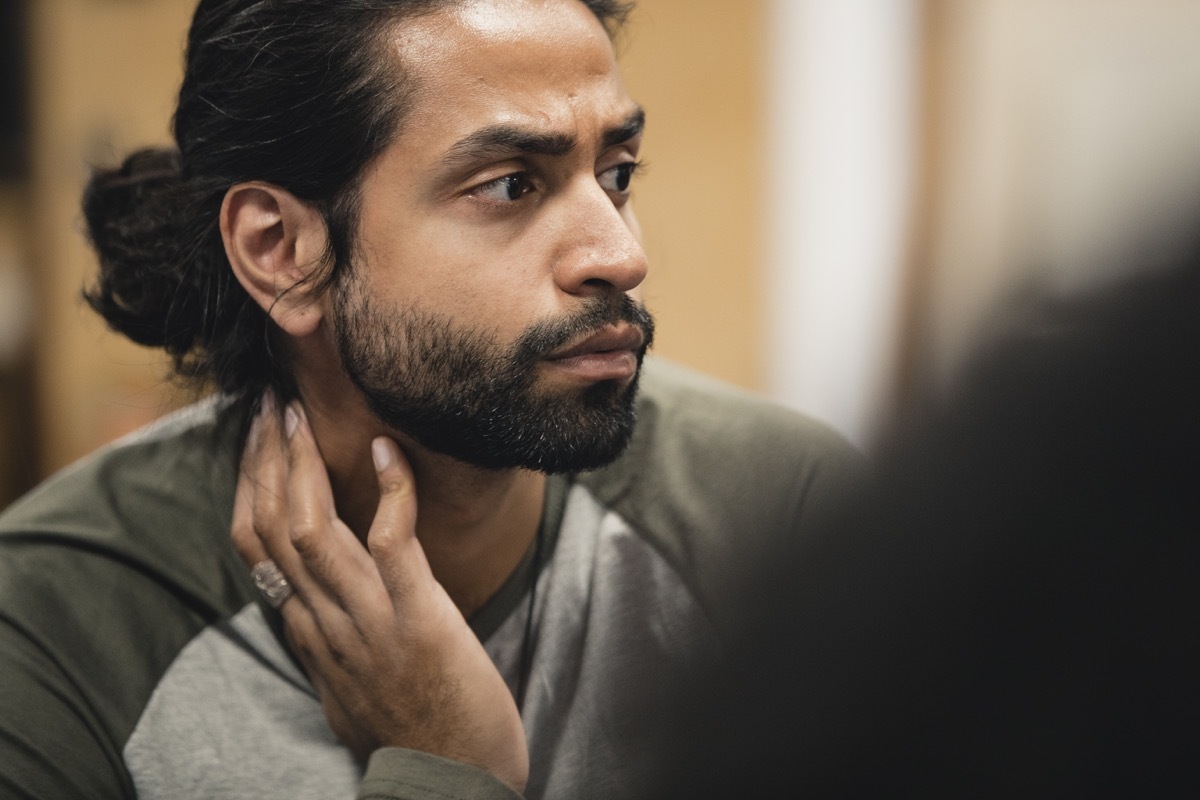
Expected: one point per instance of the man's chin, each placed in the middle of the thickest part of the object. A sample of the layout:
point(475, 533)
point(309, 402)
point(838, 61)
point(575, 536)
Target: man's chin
point(596, 432)
point(555, 390)
point(560, 432)
point(551, 456)
point(547, 427)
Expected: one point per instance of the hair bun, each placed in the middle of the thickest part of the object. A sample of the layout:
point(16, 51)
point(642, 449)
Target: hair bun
point(133, 215)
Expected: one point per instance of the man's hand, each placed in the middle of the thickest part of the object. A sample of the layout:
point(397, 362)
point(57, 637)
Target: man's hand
point(389, 653)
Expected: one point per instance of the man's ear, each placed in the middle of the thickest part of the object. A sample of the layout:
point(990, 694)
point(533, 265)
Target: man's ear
point(275, 242)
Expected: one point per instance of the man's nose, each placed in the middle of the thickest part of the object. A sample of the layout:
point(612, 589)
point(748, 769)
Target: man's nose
point(600, 250)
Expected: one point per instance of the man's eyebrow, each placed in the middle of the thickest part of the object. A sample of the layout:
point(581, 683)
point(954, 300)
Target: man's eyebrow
point(631, 127)
point(505, 141)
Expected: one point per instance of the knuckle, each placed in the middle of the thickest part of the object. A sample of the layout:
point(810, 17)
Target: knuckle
point(344, 647)
point(394, 485)
point(382, 541)
point(302, 647)
point(243, 541)
point(339, 655)
point(241, 531)
point(305, 535)
point(268, 506)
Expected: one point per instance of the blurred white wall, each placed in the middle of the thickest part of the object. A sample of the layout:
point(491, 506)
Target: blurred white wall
point(1070, 134)
point(840, 156)
point(927, 159)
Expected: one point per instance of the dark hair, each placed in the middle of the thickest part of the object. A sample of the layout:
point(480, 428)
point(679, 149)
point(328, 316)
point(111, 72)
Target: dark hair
point(297, 93)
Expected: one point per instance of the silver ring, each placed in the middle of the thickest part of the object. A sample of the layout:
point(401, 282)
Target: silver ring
point(271, 584)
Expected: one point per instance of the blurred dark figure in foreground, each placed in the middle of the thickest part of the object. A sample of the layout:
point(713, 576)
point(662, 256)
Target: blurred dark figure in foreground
point(1017, 613)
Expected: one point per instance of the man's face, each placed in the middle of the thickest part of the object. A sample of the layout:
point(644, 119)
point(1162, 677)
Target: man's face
point(488, 313)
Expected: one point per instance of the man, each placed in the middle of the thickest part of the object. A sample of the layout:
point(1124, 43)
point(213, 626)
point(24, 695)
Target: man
point(397, 237)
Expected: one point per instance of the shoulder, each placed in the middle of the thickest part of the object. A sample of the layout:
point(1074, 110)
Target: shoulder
point(715, 472)
point(155, 504)
point(695, 432)
point(107, 570)
point(681, 405)
point(173, 464)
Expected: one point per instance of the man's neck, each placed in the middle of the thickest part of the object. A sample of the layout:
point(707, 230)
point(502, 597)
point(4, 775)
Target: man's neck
point(475, 525)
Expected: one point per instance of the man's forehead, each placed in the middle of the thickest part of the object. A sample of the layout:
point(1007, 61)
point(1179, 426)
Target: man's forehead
point(498, 33)
point(544, 65)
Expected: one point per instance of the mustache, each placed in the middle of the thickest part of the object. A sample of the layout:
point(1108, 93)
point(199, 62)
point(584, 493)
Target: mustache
point(598, 312)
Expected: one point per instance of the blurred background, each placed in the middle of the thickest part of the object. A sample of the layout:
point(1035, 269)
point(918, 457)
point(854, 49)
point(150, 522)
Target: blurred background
point(839, 193)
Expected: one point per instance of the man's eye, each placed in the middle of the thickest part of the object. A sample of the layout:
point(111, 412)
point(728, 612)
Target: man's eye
point(617, 179)
point(505, 189)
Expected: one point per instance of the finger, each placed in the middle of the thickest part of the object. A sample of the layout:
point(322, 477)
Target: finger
point(339, 566)
point(392, 539)
point(308, 481)
point(245, 539)
point(306, 640)
point(265, 472)
point(254, 475)
point(264, 484)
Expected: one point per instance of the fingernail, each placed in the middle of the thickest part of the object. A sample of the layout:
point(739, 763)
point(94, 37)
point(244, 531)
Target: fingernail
point(290, 420)
point(255, 431)
point(266, 406)
point(381, 454)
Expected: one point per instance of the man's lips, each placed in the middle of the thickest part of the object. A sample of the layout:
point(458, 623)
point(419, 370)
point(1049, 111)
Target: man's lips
point(621, 337)
point(610, 353)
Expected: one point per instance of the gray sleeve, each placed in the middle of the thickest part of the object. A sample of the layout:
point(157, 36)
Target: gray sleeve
point(397, 774)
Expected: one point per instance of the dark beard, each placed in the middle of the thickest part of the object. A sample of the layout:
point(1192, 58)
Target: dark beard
point(456, 392)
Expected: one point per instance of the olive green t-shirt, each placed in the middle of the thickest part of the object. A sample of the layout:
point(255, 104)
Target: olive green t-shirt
point(137, 660)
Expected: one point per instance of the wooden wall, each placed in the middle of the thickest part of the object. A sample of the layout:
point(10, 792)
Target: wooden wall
point(698, 68)
point(104, 75)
